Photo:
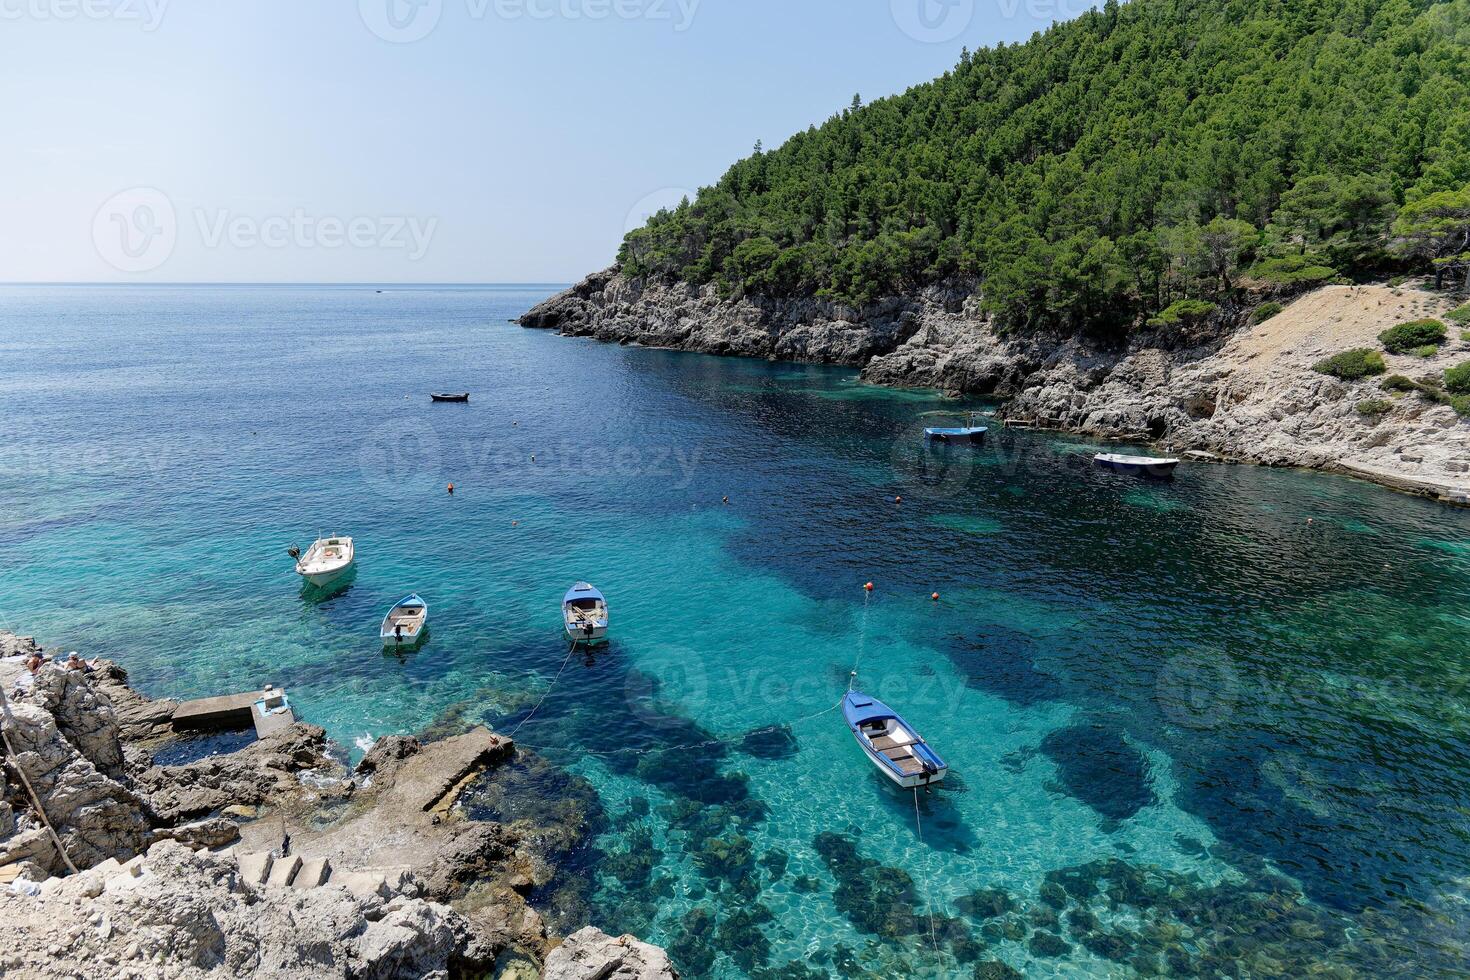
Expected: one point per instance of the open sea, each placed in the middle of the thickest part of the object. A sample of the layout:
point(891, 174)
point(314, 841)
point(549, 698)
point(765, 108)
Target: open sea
point(1217, 726)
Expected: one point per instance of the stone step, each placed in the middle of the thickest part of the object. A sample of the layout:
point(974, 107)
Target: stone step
point(313, 874)
point(283, 871)
point(255, 868)
point(363, 884)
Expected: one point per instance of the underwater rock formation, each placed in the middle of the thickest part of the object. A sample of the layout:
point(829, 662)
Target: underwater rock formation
point(1100, 768)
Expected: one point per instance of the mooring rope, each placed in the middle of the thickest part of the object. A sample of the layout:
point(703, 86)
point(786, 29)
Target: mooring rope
point(547, 694)
point(928, 900)
point(862, 643)
point(30, 790)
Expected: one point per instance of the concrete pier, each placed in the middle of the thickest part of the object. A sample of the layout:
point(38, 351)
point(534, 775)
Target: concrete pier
point(233, 712)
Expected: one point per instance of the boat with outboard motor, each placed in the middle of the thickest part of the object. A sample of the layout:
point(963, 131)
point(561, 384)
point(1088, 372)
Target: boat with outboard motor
point(890, 743)
point(584, 611)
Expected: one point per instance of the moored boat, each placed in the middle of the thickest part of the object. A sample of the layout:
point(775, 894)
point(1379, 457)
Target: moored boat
point(326, 560)
point(584, 611)
point(460, 399)
point(890, 744)
point(971, 432)
point(405, 623)
point(1137, 465)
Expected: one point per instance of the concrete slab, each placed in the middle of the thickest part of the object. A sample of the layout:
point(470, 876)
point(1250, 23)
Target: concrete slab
point(283, 871)
point(313, 874)
point(256, 868)
point(228, 711)
point(363, 884)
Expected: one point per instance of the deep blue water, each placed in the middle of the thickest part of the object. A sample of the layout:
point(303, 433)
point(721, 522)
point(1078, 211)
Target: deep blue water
point(1217, 725)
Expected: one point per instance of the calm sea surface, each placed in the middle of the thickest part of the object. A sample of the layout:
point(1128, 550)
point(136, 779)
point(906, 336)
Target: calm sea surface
point(1217, 726)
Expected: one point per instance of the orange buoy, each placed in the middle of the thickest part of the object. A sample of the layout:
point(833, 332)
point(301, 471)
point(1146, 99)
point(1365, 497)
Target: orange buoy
point(935, 597)
point(868, 587)
point(898, 500)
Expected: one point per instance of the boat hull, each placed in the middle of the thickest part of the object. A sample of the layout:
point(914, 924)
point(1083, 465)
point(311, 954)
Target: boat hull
point(966, 436)
point(323, 579)
point(598, 636)
point(1153, 471)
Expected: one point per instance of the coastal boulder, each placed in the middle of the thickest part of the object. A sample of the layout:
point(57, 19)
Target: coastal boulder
point(264, 772)
point(594, 955)
point(94, 814)
point(178, 913)
point(83, 715)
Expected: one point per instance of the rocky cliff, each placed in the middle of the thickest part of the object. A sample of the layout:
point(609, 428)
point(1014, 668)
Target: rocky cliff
point(274, 860)
point(1241, 391)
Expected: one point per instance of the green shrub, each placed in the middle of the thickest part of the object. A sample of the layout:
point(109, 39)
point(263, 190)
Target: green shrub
point(1397, 382)
point(1351, 365)
point(1265, 312)
point(1294, 270)
point(1406, 337)
point(1374, 407)
point(1465, 335)
point(1426, 352)
point(1460, 316)
point(1396, 281)
point(1461, 404)
point(1457, 379)
point(1184, 311)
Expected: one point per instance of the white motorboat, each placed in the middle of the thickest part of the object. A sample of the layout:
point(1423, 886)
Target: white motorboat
point(406, 623)
point(1152, 466)
point(584, 610)
point(326, 561)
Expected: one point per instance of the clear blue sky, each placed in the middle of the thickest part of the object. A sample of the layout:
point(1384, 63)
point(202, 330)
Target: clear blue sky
point(285, 140)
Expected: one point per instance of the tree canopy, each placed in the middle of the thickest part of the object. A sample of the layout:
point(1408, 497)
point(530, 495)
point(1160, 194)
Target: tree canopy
point(1113, 166)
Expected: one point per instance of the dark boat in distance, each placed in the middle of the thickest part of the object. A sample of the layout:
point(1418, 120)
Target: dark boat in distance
point(458, 399)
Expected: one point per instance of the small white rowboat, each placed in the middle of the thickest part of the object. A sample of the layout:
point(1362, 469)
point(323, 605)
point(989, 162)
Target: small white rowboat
point(405, 623)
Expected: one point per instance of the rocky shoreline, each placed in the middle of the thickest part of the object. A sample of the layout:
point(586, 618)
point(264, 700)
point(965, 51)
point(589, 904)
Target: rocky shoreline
point(1238, 391)
point(276, 859)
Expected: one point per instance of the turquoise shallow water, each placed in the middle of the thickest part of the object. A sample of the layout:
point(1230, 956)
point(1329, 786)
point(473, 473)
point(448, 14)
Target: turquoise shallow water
point(1191, 732)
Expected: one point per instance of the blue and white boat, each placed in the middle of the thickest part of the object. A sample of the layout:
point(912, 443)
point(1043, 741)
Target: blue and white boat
point(584, 610)
point(896, 749)
point(405, 623)
point(966, 433)
point(1151, 466)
